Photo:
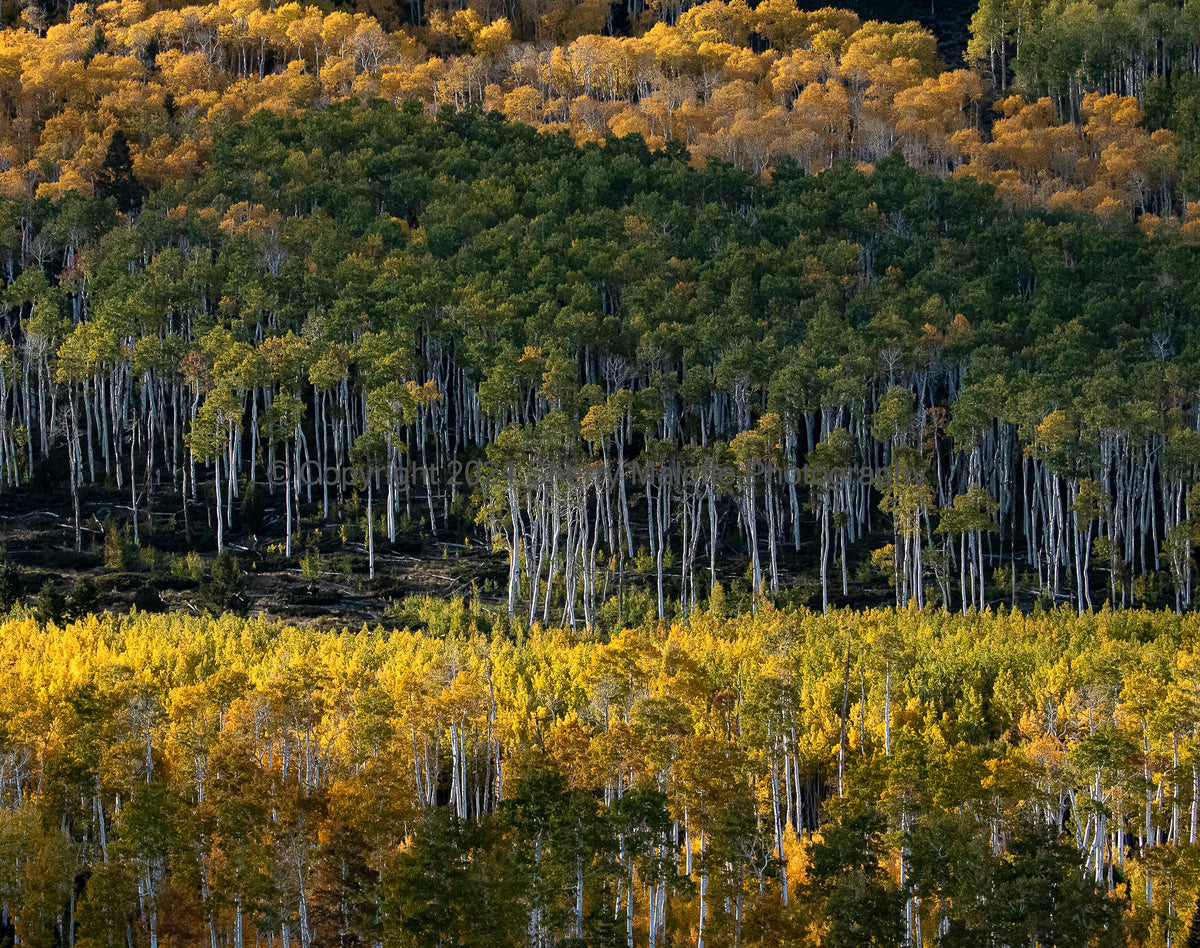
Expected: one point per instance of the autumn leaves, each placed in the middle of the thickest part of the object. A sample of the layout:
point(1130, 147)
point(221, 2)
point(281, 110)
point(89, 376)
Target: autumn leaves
point(229, 779)
point(748, 86)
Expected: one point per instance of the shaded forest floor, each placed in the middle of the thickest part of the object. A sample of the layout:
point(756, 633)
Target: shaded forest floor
point(327, 578)
point(173, 564)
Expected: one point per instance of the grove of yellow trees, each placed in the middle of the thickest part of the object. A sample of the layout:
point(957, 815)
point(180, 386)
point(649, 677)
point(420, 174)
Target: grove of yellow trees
point(748, 86)
point(852, 778)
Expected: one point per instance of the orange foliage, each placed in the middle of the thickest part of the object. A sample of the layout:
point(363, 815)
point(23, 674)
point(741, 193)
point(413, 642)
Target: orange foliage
point(829, 87)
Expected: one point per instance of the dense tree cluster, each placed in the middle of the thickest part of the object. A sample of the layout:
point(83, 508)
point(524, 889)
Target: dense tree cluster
point(1065, 51)
point(874, 778)
point(749, 86)
point(604, 356)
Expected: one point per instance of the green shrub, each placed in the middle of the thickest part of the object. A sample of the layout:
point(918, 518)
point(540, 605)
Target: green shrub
point(311, 565)
point(190, 567)
point(120, 550)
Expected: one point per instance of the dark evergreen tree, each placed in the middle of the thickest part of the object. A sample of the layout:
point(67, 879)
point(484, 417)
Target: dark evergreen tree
point(116, 179)
point(223, 588)
point(82, 600)
point(854, 896)
point(12, 590)
point(50, 605)
point(148, 599)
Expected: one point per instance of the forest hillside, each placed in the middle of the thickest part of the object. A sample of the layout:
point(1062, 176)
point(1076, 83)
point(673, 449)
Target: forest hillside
point(364, 329)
